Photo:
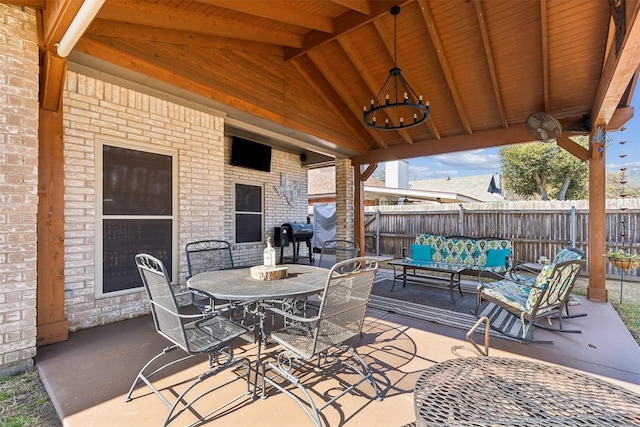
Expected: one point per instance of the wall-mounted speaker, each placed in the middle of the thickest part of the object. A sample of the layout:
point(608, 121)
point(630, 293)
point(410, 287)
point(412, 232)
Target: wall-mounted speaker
point(303, 157)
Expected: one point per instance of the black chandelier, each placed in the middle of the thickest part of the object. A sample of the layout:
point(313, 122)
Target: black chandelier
point(402, 108)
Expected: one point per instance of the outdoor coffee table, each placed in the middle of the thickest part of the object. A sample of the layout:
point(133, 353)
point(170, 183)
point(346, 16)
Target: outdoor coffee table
point(238, 285)
point(453, 270)
point(495, 391)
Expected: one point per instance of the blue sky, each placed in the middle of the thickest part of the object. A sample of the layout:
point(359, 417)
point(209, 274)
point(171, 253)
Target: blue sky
point(482, 162)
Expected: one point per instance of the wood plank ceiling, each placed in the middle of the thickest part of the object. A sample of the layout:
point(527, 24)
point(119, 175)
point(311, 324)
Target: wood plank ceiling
point(308, 67)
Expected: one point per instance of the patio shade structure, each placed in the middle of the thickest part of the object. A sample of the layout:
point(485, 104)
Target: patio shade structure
point(302, 70)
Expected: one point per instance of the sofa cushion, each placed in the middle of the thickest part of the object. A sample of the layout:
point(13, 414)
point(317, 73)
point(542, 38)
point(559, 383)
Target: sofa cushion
point(421, 252)
point(470, 252)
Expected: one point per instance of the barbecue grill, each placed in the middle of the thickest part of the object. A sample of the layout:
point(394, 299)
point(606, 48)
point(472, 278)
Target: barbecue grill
point(293, 233)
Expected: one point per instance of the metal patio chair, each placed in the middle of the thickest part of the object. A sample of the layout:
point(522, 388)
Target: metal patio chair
point(526, 271)
point(545, 298)
point(342, 249)
point(197, 334)
point(209, 255)
point(341, 316)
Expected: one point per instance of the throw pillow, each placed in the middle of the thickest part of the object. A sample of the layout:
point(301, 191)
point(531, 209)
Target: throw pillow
point(497, 257)
point(421, 252)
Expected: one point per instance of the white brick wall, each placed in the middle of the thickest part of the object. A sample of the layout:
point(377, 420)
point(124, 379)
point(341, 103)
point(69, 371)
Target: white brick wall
point(18, 187)
point(96, 109)
point(277, 208)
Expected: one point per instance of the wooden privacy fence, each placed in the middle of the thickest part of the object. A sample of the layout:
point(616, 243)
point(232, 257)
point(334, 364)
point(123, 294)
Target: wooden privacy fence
point(534, 228)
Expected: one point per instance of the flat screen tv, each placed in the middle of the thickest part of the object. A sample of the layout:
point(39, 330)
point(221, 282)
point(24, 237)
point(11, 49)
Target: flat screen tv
point(250, 154)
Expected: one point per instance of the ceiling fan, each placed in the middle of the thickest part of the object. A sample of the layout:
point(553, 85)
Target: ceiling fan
point(543, 127)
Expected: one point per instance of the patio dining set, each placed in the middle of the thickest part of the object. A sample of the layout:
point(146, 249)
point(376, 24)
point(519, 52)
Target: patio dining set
point(316, 315)
point(233, 305)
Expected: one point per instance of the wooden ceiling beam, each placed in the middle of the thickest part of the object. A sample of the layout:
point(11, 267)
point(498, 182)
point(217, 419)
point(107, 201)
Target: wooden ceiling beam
point(574, 148)
point(361, 6)
point(36, 4)
point(369, 80)
point(339, 86)
point(155, 15)
point(514, 134)
point(159, 71)
point(346, 22)
point(444, 63)
point(333, 99)
point(288, 15)
point(368, 172)
point(619, 69)
point(144, 34)
point(54, 71)
point(388, 42)
point(486, 43)
point(545, 55)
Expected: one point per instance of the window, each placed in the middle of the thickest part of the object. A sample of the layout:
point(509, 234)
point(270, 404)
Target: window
point(136, 215)
point(248, 213)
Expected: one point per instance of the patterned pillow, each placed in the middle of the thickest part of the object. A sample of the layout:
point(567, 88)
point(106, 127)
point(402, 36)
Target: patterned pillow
point(541, 283)
point(566, 255)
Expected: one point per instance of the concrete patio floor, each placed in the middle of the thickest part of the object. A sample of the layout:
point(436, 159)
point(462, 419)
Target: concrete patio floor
point(88, 376)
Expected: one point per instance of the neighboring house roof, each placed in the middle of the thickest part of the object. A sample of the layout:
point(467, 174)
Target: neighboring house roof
point(321, 184)
point(371, 192)
point(479, 187)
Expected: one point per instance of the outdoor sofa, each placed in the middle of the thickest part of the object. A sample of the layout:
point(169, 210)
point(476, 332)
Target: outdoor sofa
point(486, 256)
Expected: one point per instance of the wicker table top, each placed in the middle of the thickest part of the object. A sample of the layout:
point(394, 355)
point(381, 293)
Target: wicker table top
point(482, 391)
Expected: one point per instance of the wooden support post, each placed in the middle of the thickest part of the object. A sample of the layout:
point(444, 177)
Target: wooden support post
point(597, 290)
point(52, 326)
point(358, 208)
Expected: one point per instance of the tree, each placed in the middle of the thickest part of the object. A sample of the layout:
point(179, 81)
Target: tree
point(615, 189)
point(544, 170)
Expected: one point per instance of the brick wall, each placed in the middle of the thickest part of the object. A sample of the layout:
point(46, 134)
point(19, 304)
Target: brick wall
point(344, 199)
point(18, 187)
point(277, 208)
point(96, 109)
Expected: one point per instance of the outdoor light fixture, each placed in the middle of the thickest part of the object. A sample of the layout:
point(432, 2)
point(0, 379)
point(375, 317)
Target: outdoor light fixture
point(397, 106)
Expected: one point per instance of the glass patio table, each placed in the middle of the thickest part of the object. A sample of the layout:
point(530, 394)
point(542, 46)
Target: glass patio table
point(453, 270)
point(495, 391)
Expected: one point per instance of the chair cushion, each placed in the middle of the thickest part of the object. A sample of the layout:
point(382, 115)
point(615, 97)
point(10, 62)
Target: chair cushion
point(421, 252)
point(508, 292)
point(497, 257)
point(542, 278)
point(565, 255)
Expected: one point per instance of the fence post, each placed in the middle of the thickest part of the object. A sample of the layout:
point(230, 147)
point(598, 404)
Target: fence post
point(572, 231)
point(377, 232)
point(461, 221)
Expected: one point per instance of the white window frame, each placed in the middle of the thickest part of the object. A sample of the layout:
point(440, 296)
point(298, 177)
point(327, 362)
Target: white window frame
point(261, 213)
point(99, 216)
